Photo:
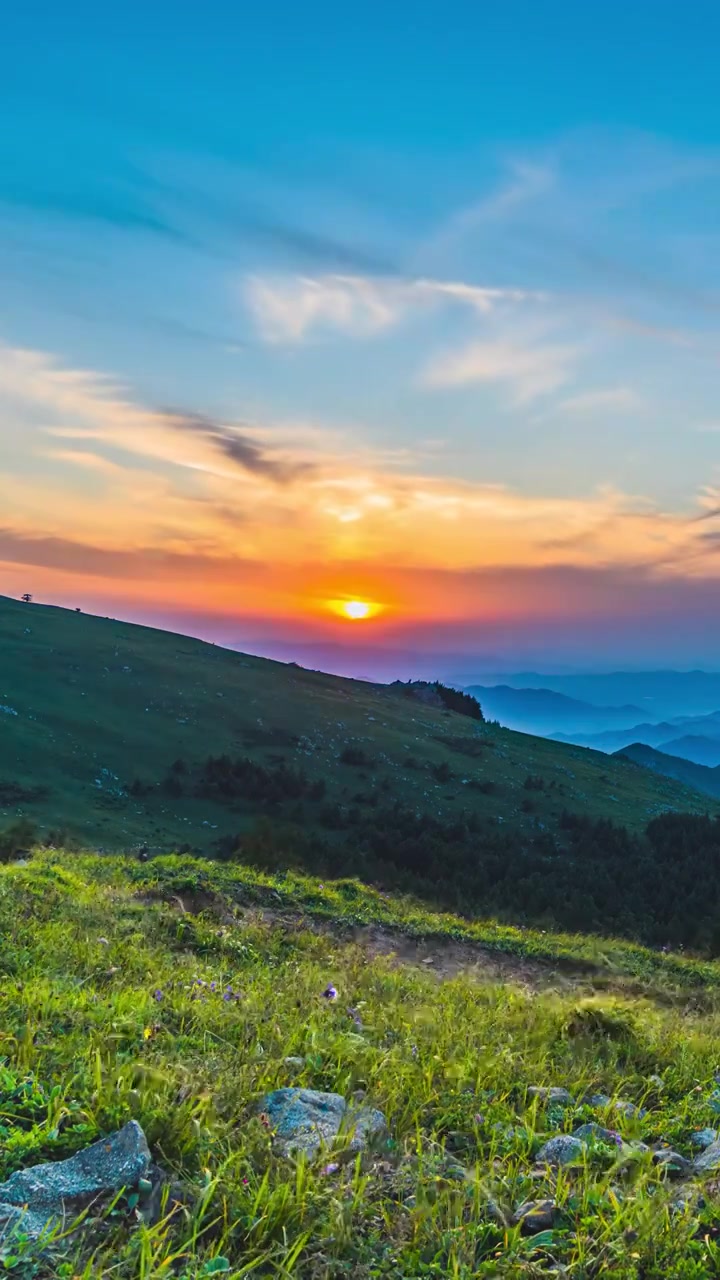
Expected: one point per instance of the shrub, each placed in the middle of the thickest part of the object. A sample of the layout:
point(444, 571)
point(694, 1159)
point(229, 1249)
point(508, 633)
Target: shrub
point(356, 756)
point(17, 839)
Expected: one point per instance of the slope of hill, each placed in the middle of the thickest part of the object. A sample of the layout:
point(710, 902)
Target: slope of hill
point(95, 713)
point(543, 711)
point(697, 776)
point(178, 995)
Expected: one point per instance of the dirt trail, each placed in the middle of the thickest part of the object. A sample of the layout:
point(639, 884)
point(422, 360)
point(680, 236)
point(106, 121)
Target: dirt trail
point(444, 958)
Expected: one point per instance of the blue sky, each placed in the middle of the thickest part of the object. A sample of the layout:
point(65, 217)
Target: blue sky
point(402, 290)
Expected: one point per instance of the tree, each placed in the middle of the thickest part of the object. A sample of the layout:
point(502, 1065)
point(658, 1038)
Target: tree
point(26, 597)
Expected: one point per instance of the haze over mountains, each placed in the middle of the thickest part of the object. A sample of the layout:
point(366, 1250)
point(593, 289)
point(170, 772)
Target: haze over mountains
point(650, 720)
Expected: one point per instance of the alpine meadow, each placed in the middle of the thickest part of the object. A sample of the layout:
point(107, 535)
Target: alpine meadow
point(359, 663)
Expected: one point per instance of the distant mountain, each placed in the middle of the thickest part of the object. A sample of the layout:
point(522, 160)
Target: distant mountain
point(694, 747)
point(663, 695)
point(652, 735)
point(697, 776)
point(543, 711)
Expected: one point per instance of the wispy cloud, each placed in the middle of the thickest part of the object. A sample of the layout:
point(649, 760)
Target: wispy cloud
point(288, 308)
point(527, 369)
point(618, 399)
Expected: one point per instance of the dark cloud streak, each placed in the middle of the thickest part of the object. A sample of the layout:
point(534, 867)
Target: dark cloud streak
point(239, 447)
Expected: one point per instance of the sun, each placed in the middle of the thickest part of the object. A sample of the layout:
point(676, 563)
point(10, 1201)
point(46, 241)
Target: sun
point(354, 610)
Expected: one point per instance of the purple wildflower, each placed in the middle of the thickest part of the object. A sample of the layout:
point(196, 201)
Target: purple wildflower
point(158, 994)
point(479, 1118)
point(353, 1013)
point(330, 993)
point(414, 1051)
point(330, 1168)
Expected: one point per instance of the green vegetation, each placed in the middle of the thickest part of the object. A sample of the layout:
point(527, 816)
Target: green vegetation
point(94, 714)
point(178, 991)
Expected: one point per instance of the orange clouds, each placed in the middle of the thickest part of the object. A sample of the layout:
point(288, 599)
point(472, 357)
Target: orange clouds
point(281, 519)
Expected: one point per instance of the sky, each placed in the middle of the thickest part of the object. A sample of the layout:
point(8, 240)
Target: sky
point(414, 305)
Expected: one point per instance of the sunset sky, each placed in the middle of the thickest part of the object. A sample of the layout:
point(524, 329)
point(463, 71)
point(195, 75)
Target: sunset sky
point(408, 304)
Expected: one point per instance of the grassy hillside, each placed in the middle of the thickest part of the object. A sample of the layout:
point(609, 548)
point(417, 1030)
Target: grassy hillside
point(115, 1005)
point(94, 713)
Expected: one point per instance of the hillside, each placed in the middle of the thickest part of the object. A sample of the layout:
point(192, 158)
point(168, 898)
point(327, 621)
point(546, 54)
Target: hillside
point(533, 1104)
point(698, 776)
point(94, 714)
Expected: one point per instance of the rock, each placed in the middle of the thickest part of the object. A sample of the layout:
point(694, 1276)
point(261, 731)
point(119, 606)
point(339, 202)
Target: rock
point(535, 1215)
point(703, 1138)
point(708, 1159)
point(553, 1095)
point(621, 1105)
point(47, 1194)
point(294, 1062)
point(562, 1149)
point(688, 1199)
point(497, 1213)
point(640, 1148)
point(671, 1160)
point(304, 1120)
point(596, 1132)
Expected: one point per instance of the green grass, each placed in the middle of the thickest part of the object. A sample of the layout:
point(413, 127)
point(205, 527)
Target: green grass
point(100, 1021)
point(100, 703)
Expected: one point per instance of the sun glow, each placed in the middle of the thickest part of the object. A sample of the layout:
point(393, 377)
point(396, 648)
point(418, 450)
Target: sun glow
point(354, 610)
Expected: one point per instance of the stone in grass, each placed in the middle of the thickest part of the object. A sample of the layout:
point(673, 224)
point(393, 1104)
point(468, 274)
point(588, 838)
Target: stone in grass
point(688, 1199)
point(552, 1094)
point(596, 1132)
point(535, 1215)
point(703, 1138)
point(304, 1120)
point(671, 1161)
point(47, 1195)
point(621, 1105)
point(564, 1148)
point(709, 1159)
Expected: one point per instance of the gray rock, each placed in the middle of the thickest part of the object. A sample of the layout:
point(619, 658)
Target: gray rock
point(688, 1199)
point(295, 1062)
point(536, 1215)
point(626, 1108)
point(595, 1132)
point(671, 1160)
point(552, 1094)
point(562, 1149)
point(708, 1159)
point(703, 1138)
point(640, 1148)
point(621, 1105)
point(304, 1120)
point(40, 1198)
point(598, 1100)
